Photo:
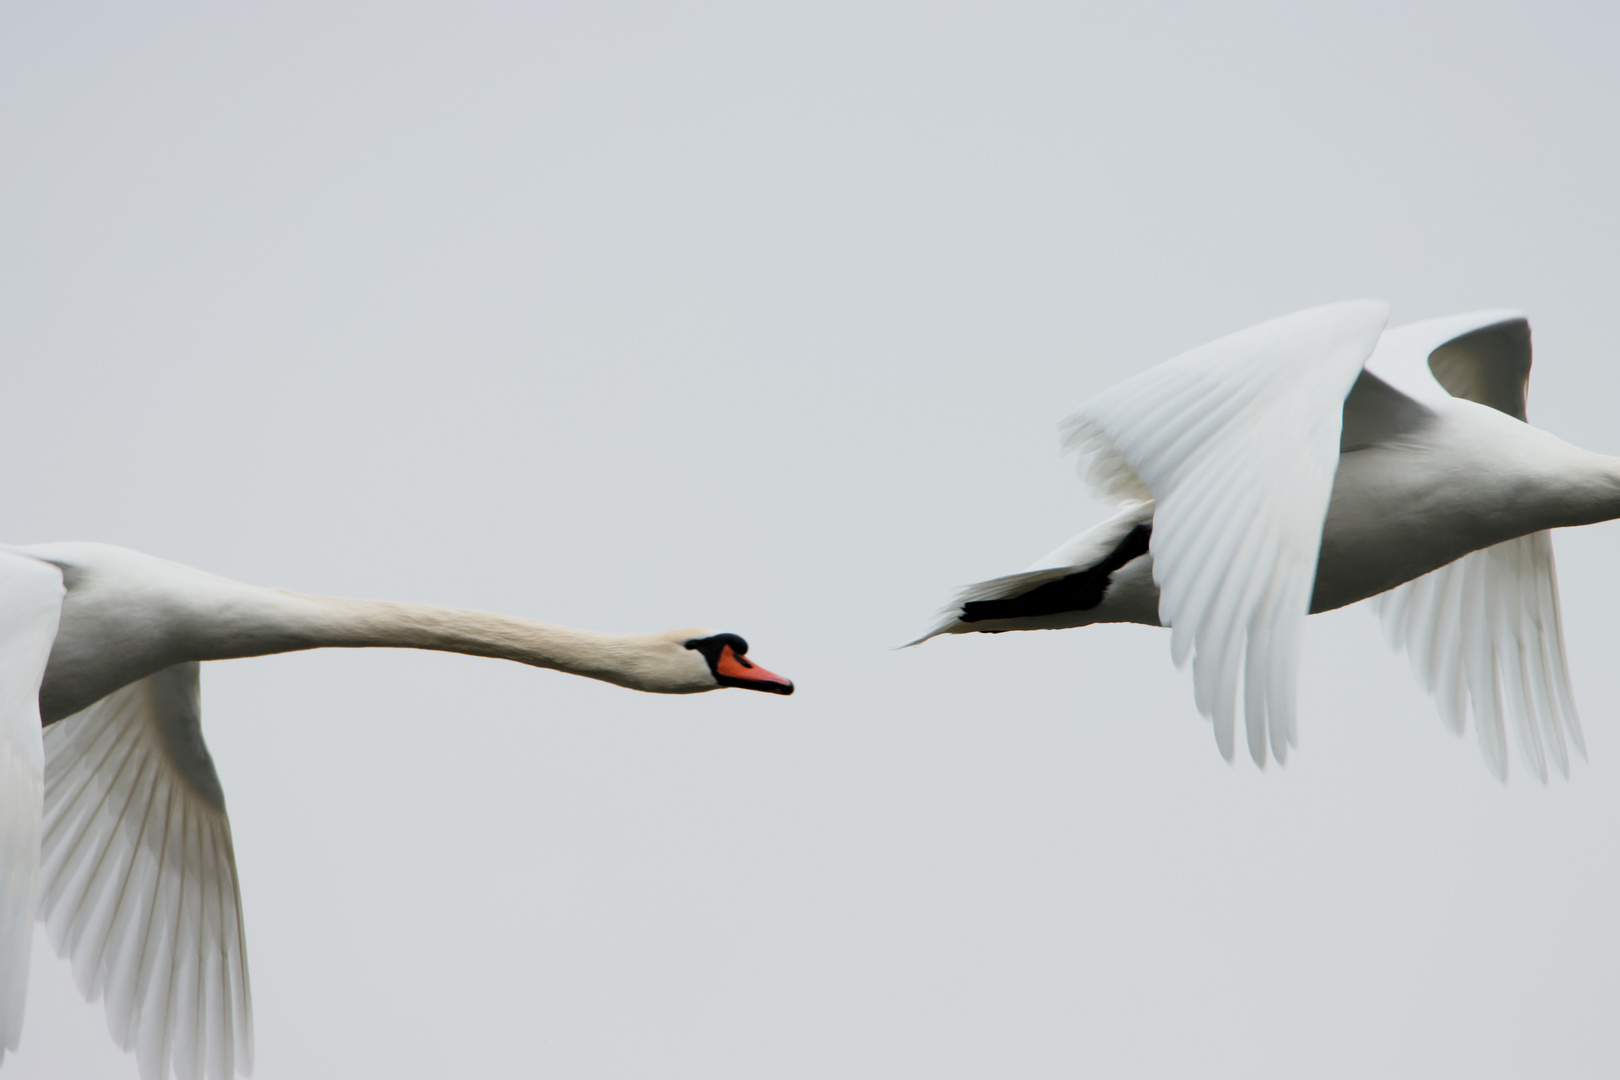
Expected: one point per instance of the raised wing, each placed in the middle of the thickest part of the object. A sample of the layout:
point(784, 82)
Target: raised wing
point(1489, 364)
point(1484, 633)
point(1481, 356)
point(1238, 442)
point(138, 884)
point(30, 603)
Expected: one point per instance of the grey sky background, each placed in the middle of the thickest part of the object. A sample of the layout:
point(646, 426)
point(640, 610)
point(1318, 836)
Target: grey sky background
point(761, 317)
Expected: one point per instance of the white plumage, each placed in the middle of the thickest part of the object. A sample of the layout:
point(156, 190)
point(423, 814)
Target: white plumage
point(30, 605)
point(138, 877)
point(1237, 525)
point(1312, 461)
point(116, 809)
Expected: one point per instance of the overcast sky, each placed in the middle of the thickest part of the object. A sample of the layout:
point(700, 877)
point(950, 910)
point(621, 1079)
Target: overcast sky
point(761, 317)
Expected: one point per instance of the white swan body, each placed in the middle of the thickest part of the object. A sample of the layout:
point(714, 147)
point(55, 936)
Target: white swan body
point(116, 807)
point(1352, 463)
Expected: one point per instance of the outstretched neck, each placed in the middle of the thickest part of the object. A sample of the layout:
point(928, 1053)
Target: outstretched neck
point(288, 622)
point(128, 615)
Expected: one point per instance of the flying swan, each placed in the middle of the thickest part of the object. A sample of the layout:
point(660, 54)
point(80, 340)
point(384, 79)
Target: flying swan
point(116, 809)
point(1309, 462)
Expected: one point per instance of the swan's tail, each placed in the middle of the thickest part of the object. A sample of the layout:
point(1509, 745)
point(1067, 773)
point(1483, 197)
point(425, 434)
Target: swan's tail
point(1064, 588)
point(1005, 603)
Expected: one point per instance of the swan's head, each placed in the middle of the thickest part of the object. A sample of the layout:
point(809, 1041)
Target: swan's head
point(725, 656)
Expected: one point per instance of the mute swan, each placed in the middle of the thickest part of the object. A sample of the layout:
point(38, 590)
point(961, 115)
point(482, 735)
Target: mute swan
point(117, 809)
point(1309, 462)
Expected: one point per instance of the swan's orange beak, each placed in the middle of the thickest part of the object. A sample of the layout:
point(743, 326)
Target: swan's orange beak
point(747, 672)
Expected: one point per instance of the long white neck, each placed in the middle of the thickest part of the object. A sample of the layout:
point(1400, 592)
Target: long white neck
point(288, 622)
point(127, 615)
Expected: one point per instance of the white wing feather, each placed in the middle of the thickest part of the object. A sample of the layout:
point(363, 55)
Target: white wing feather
point(30, 604)
point(138, 882)
point(1238, 442)
point(1484, 634)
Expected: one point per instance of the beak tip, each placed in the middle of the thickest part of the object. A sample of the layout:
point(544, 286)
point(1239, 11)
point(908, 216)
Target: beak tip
point(732, 670)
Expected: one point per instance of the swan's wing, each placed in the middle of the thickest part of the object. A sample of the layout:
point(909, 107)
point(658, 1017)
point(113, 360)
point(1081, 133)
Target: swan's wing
point(1481, 356)
point(1238, 442)
point(1483, 633)
point(30, 603)
point(138, 878)
point(1484, 636)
